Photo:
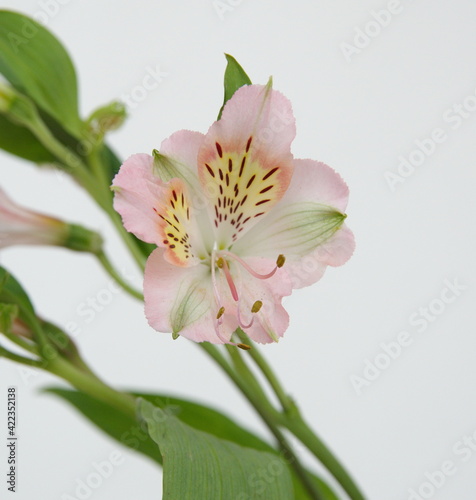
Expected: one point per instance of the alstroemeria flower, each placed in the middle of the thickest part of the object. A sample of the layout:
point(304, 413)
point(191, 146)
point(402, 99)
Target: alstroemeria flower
point(239, 223)
point(22, 226)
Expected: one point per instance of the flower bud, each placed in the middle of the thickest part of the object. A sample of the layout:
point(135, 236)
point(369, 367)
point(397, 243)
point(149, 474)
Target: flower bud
point(21, 226)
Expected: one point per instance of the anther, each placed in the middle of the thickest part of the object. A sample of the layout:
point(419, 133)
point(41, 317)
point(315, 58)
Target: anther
point(220, 262)
point(256, 306)
point(220, 313)
point(245, 347)
point(280, 260)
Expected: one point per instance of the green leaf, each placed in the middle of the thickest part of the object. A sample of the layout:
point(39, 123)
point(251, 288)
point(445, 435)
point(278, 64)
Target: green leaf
point(128, 432)
point(301, 494)
point(207, 419)
point(36, 64)
point(198, 465)
point(19, 141)
point(11, 292)
point(8, 313)
point(235, 77)
point(116, 425)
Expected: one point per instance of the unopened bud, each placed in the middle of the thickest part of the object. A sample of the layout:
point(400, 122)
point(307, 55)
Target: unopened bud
point(106, 118)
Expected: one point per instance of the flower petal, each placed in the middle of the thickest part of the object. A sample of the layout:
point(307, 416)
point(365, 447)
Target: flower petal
point(176, 226)
point(178, 299)
point(178, 158)
point(180, 153)
point(305, 226)
point(272, 320)
point(245, 162)
point(158, 212)
point(336, 251)
point(137, 190)
point(304, 219)
point(22, 226)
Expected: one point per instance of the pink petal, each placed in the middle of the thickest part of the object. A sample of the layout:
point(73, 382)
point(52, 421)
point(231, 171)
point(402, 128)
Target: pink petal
point(313, 183)
point(334, 252)
point(137, 190)
point(272, 320)
point(183, 147)
point(315, 187)
point(179, 299)
point(22, 226)
point(178, 231)
point(245, 163)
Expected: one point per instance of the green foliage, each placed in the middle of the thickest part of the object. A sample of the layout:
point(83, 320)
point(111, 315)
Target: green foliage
point(37, 65)
point(235, 77)
point(199, 465)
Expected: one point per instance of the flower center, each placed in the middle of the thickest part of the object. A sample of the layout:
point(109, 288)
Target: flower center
point(219, 264)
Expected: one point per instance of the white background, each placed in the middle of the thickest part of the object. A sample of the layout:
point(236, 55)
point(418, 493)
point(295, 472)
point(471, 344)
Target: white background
point(358, 114)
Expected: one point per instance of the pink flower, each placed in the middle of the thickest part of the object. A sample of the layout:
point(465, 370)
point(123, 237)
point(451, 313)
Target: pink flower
point(238, 222)
point(21, 226)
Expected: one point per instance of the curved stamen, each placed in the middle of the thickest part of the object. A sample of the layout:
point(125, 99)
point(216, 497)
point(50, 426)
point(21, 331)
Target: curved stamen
point(221, 309)
point(240, 321)
point(279, 263)
point(245, 347)
point(222, 264)
point(214, 280)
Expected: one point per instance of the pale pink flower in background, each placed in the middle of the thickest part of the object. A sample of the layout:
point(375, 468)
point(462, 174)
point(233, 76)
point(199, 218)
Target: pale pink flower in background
point(21, 226)
point(239, 223)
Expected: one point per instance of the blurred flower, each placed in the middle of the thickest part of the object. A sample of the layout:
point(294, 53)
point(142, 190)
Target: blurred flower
point(239, 223)
point(21, 226)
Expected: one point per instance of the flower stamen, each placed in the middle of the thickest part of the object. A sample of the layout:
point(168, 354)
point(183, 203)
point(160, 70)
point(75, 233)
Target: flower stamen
point(256, 306)
point(279, 263)
point(223, 264)
point(240, 321)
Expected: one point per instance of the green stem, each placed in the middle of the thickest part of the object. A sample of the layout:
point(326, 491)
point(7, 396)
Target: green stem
point(92, 386)
point(245, 381)
point(313, 443)
point(295, 423)
point(104, 183)
point(106, 263)
point(19, 359)
point(286, 401)
point(77, 168)
point(243, 371)
point(97, 167)
point(21, 342)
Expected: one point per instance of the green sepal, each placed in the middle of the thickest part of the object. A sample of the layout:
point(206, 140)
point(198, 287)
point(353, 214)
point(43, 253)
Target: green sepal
point(81, 239)
point(235, 77)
